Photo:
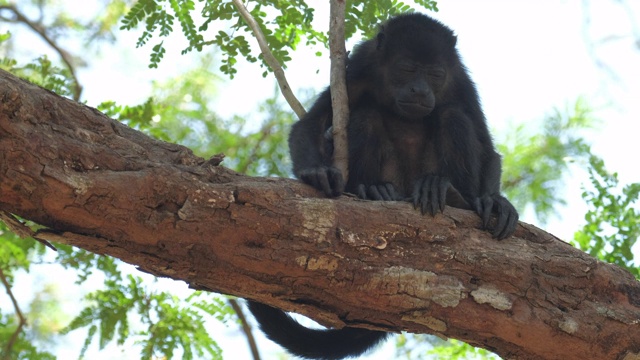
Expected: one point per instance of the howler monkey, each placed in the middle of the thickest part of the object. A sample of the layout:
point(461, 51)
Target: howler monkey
point(416, 132)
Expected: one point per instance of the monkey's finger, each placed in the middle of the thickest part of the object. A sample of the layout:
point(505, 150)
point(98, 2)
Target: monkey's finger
point(310, 177)
point(510, 226)
point(477, 205)
point(384, 193)
point(442, 191)
point(392, 191)
point(507, 229)
point(481, 210)
point(505, 210)
point(503, 217)
point(434, 196)
point(362, 192)
point(438, 194)
point(374, 193)
point(419, 196)
point(487, 206)
point(322, 180)
point(336, 181)
point(415, 195)
point(425, 196)
point(317, 178)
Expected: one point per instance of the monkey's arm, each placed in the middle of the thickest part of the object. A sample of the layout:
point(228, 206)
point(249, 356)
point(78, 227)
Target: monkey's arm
point(474, 169)
point(311, 150)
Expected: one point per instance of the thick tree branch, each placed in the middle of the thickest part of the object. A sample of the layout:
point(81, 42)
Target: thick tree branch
point(98, 185)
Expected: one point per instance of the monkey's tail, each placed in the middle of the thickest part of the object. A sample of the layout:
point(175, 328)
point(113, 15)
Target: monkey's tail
point(330, 344)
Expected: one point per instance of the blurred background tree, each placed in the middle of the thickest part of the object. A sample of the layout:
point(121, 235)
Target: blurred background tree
point(126, 314)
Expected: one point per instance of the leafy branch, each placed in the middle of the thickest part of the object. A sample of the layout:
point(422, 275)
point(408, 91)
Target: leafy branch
point(613, 220)
point(168, 322)
point(39, 29)
point(278, 26)
point(21, 323)
point(271, 60)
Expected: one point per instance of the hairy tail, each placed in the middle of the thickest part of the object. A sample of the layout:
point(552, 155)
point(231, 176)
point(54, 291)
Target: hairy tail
point(330, 344)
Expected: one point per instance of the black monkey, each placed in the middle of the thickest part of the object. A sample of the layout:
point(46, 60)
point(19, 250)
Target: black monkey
point(416, 132)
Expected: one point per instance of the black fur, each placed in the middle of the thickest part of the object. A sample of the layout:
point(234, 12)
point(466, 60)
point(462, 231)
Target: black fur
point(416, 132)
point(308, 343)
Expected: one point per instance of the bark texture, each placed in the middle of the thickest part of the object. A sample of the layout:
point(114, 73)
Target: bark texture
point(338, 84)
point(99, 185)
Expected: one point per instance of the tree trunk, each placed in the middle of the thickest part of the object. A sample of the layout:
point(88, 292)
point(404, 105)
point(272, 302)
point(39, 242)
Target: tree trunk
point(101, 186)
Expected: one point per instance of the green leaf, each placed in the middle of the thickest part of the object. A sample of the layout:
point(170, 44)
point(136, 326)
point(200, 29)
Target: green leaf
point(612, 223)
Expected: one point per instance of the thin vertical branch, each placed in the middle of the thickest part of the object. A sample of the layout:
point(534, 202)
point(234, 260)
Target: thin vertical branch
point(339, 97)
point(246, 328)
point(271, 60)
point(22, 320)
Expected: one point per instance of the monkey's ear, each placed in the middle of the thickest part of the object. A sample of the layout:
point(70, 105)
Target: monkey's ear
point(454, 40)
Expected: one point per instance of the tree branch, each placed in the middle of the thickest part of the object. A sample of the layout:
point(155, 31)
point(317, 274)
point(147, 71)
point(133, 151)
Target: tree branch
point(21, 320)
point(271, 60)
point(339, 96)
point(20, 229)
point(99, 185)
point(246, 329)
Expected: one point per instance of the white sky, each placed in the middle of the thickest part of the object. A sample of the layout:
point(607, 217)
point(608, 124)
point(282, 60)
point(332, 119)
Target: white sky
point(526, 58)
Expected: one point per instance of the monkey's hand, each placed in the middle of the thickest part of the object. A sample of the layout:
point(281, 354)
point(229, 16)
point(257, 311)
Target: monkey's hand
point(382, 192)
point(507, 215)
point(328, 179)
point(430, 194)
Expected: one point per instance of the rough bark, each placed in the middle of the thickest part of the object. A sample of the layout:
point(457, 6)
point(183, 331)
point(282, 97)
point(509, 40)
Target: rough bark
point(338, 85)
point(98, 185)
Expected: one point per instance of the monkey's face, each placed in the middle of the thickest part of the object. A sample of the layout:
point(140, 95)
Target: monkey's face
point(414, 87)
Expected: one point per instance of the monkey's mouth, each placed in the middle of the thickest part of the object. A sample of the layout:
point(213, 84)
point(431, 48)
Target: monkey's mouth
point(413, 109)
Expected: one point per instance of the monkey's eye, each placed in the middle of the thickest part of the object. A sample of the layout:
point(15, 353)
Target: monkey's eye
point(437, 73)
point(436, 76)
point(406, 67)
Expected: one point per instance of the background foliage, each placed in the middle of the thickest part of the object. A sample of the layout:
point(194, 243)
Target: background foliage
point(129, 310)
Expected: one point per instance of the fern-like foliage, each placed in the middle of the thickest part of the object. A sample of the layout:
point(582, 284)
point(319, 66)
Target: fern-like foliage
point(612, 223)
point(167, 322)
point(43, 73)
point(285, 24)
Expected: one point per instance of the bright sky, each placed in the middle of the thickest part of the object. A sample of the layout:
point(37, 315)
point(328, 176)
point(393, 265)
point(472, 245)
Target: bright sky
point(526, 58)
